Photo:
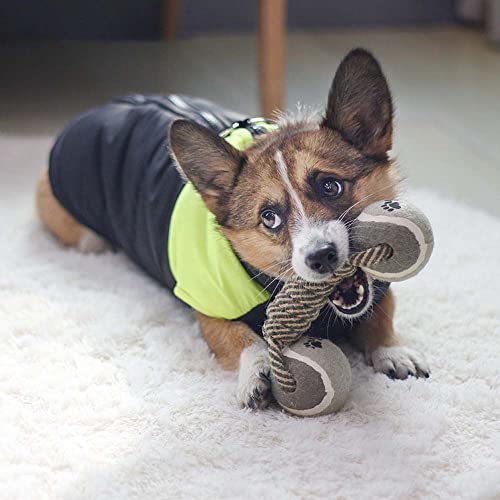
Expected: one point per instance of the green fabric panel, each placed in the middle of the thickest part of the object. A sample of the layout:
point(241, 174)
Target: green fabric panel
point(210, 278)
point(241, 138)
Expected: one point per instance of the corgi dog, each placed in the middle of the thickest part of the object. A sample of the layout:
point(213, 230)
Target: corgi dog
point(222, 210)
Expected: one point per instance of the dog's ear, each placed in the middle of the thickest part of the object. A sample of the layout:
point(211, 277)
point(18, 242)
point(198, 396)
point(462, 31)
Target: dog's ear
point(360, 105)
point(208, 161)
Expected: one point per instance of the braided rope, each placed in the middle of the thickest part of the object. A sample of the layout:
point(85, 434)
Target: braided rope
point(299, 303)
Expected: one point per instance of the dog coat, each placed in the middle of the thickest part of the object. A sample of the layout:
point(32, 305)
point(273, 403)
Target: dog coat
point(113, 171)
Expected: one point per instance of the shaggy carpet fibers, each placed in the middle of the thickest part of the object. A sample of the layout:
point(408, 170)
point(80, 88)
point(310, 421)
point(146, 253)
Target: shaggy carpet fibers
point(108, 390)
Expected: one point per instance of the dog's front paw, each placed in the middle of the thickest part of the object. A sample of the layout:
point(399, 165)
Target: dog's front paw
point(254, 380)
point(399, 362)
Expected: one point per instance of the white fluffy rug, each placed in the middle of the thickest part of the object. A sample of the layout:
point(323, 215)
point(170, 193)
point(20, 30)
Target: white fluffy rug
point(107, 390)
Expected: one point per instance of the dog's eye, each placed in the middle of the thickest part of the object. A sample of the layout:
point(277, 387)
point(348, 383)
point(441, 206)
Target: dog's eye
point(270, 219)
point(331, 187)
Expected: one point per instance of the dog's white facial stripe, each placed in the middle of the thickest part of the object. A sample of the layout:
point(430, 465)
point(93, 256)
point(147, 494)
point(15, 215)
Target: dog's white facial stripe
point(283, 171)
point(307, 235)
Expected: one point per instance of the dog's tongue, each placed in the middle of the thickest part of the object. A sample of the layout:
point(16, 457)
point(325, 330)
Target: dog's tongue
point(346, 284)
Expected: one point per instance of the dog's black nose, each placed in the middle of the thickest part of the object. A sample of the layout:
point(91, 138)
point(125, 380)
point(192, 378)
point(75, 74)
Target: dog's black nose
point(323, 260)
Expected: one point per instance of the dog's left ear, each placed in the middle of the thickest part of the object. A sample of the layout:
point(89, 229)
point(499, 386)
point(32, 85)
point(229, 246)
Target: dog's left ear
point(208, 161)
point(360, 105)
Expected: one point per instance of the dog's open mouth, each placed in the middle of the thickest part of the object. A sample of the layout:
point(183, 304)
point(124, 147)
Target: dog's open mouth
point(350, 297)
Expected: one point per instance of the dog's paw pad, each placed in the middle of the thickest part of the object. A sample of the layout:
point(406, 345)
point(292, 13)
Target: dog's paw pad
point(399, 362)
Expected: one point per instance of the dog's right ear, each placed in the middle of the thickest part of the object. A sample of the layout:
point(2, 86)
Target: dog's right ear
point(208, 161)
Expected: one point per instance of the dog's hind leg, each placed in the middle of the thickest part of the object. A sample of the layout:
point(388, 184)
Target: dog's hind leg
point(236, 345)
point(61, 224)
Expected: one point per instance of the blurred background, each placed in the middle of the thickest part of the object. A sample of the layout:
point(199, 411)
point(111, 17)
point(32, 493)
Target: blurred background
point(441, 58)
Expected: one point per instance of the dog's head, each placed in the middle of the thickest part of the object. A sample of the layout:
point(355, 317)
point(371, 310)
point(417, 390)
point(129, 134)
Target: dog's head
point(286, 203)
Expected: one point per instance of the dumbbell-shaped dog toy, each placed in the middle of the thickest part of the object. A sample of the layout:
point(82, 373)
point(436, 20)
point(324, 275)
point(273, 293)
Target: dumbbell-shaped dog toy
point(393, 241)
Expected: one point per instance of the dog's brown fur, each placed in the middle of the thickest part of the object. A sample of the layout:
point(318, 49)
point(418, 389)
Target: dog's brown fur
point(350, 144)
point(226, 339)
point(54, 216)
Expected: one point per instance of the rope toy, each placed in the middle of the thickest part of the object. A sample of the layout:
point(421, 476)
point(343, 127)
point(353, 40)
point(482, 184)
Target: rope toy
point(394, 242)
point(299, 303)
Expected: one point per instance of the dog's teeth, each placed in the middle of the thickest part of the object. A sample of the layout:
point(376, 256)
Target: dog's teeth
point(339, 302)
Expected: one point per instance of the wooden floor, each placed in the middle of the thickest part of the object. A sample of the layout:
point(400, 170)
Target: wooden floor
point(446, 84)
